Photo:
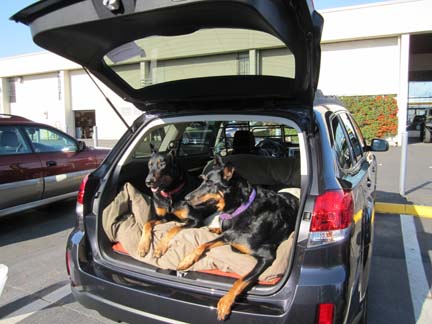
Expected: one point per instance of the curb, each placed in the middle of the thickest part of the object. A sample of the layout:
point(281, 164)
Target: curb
point(415, 210)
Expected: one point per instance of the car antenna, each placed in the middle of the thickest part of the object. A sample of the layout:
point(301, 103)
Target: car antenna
point(109, 101)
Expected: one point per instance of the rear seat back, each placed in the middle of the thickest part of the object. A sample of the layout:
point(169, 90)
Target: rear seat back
point(265, 171)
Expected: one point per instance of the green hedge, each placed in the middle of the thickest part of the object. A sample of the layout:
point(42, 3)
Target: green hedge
point(375, 115)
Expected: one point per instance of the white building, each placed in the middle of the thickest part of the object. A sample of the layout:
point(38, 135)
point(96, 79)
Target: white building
point(374, 49)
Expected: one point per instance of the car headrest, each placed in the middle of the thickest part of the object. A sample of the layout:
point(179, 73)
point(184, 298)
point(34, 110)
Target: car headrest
point(243, 142)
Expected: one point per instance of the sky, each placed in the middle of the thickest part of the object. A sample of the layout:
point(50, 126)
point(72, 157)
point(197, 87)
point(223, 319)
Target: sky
point(16, 38)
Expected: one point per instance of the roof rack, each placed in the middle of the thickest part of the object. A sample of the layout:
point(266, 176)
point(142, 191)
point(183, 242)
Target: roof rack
point(13, 117)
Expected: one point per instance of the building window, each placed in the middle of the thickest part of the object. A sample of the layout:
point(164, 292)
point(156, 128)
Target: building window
point(12, 90)
point(85, 120)
point(243, 63)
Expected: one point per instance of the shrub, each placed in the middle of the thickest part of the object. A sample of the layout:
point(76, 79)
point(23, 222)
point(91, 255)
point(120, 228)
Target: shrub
point(375, 115)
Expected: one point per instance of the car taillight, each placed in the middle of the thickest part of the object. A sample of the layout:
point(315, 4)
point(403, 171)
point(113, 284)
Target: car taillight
point(332, 215)
point(79, 210)
point(80, 198)
point(325, 314)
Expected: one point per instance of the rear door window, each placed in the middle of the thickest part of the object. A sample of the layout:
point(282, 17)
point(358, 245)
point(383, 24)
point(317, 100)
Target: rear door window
point(341, 144)
point(12, 141)
point(48, 140)
point(354, 139)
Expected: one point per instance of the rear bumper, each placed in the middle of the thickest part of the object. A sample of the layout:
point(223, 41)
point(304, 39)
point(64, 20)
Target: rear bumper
point(126, 299)
point(116, 311)
point(157, 304)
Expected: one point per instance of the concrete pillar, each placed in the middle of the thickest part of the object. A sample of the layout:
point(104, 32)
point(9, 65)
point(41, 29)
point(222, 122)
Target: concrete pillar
point(402, 98)
point(66, 102)
point(4, 96)
point(253, 62)
point(143, 73)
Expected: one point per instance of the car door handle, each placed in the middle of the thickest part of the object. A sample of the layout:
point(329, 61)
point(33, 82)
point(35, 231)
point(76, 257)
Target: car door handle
point(51, 163)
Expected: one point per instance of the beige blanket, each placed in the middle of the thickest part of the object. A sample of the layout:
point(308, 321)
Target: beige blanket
point(123, 219)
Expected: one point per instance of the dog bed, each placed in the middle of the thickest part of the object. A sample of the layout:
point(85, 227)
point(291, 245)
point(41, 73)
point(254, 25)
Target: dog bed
point(222, 261)
point(123, 220)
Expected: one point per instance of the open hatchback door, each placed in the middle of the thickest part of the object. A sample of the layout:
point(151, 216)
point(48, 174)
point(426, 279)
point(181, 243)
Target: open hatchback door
point(157, 54)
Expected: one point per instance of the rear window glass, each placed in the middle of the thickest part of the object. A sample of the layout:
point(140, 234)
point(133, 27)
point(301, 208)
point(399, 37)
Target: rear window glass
point(204, 53)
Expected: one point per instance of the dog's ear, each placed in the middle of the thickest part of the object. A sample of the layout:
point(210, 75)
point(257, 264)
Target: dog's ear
point(218, 160)
point(228, 171)
point(153, 149)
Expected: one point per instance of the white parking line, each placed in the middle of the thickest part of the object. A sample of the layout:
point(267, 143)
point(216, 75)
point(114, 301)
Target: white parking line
point(37, 305)
point(419, 286)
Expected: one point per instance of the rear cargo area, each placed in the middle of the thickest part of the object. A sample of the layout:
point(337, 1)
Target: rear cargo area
point(266, 153)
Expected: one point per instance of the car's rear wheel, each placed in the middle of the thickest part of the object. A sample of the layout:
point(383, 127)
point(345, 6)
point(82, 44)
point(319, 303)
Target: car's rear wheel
point(427, 136)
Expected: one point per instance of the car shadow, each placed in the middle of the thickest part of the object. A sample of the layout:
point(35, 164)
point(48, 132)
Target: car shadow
point(424, 238)
point(389, 298)
point(37, 223)
point(391, 197)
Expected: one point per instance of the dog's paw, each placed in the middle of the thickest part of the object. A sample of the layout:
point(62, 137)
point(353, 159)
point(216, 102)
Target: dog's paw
point(187, 262)
point(224, 307)
point(143, 248)
point(160, 250)
point(215, 230)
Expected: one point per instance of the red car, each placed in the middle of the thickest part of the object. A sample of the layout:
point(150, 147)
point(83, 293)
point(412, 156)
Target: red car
point(40, 164)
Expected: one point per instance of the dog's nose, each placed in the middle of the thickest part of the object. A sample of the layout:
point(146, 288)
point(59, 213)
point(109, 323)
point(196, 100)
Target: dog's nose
point(149, 181)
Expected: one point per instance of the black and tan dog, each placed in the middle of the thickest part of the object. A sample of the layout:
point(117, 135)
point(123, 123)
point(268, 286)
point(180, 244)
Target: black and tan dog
point(169, 184)
point(255, 222)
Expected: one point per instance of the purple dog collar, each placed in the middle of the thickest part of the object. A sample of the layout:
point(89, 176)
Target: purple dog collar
point(241, 209)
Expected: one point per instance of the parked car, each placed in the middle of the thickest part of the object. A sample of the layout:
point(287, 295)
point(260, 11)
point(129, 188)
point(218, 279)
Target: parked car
point(325, 277)
point(421, 126)
point(40, 164)
point(416, 127)
point(427, 129)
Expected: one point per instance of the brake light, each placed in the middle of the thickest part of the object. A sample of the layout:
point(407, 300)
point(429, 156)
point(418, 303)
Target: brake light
point(332, 215)
point(79, 209)
point(333, 210)
point(81, 191)
point(325, 313)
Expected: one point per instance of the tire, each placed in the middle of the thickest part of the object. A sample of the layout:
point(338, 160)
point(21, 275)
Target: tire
point(427, 136)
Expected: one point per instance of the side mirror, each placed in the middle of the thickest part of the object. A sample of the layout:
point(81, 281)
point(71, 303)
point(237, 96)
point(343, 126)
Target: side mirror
point(81, 146)
point(378, 145)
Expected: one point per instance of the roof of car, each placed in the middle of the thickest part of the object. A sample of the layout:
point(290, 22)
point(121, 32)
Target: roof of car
point(13, 118)
point(324, 103)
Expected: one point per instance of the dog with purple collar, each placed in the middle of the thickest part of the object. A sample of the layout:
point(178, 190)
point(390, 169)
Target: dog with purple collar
point(254, 221)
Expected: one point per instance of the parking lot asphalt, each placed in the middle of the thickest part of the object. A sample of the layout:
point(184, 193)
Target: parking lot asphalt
point(418, 186)
point(401, 273)
point(403, 238)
